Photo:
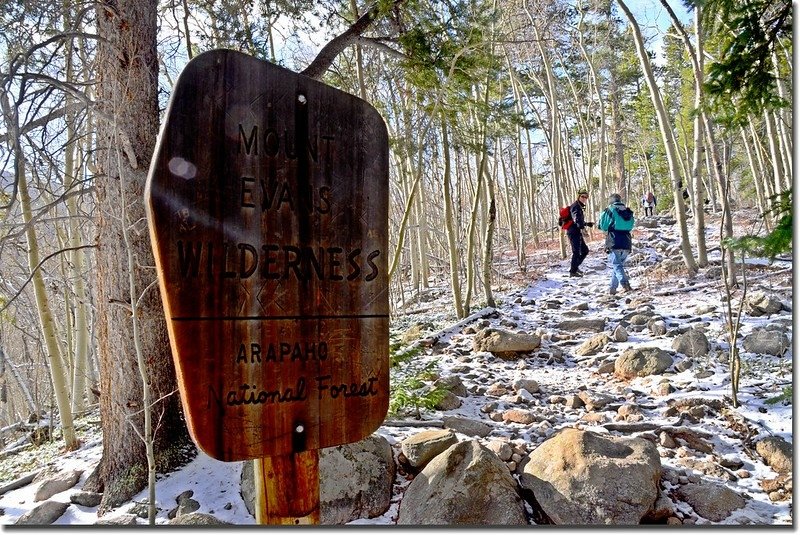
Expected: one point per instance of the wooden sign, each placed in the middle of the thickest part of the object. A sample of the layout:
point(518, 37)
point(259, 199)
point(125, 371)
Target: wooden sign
point(267, 203)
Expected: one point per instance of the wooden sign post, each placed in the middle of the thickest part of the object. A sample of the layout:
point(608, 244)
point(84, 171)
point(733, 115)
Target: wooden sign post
point(267, 203)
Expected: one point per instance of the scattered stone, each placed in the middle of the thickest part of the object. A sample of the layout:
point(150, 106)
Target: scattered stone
point(467, 426)
point(758, 303)
point(197, 519)
point(421, 447)
point(593, 345)
point(48, 485)
point(766, 342)
point(581, 477)
point(467, 485)
point(43, 514)
point(710, 500)
point(641, 362)
point(692, 343)
point(85, 498)
point(777, 453)
point(583, 324)
point(502, 342)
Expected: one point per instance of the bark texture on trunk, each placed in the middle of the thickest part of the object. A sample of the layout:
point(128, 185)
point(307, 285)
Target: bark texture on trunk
point(127, 96)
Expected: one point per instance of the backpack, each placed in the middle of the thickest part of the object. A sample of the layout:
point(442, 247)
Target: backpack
point(614, 218)
point(564, 217)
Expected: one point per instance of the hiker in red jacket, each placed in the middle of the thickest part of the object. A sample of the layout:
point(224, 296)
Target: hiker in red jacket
point(575, 233)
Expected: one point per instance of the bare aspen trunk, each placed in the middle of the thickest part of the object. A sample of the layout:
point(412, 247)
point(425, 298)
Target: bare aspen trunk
point(450, 228)
point(667, 138)
point(775, 154)
point(58, 372)
point(81, 326)
point(763, 205)
point(49, 330)
point(489, 241)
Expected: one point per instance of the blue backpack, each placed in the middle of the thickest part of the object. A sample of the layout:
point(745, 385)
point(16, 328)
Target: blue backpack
point(616, 218)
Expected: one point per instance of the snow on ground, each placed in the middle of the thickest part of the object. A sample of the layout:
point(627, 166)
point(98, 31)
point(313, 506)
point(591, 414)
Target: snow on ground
point(520, 298)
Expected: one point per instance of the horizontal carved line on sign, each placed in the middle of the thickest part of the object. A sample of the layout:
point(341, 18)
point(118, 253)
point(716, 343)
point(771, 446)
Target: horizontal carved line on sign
point(282, 318)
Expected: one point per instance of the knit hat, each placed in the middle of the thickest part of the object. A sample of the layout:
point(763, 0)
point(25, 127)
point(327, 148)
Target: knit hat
point(615, 197)
point(583, 191)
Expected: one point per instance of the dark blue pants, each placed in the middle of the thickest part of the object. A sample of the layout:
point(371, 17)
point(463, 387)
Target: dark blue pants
point(579, 249)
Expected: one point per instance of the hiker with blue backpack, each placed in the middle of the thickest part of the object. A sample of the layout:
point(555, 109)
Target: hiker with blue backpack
point(617, 222)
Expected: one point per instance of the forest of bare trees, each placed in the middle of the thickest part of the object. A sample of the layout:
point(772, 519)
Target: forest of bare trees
point(497, 112)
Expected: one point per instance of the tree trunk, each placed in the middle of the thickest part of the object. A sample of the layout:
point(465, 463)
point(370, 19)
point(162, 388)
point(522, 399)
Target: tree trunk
point(668, 139)
point(127, 93)
point(452, 247)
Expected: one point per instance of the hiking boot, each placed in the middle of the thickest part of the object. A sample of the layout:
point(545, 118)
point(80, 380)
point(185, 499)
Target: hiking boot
point(627, 286)
point(575, 274)
point(612, 291)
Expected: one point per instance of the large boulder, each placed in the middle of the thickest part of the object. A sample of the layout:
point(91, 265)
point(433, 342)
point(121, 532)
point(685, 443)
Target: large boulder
point(777, 453)
point(581, 477)
point(465, 485)
point(355, 481)
point(692, 343)
point(641, 362)
point(503, 343)
point(710, 500)
point(421, 447)
point(766, 342)
point(759, 303)
point(45, 513)
point(48, 484)
point(593, 345)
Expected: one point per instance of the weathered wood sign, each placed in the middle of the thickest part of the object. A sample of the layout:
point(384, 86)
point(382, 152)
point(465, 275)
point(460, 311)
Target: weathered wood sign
point(267, 205)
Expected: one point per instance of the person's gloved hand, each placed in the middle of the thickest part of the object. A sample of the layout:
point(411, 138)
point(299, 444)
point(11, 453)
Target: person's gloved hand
point(589, 223)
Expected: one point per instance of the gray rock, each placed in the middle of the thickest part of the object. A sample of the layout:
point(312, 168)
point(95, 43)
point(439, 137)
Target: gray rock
point(501, 448)
point(580, 477)
point(620, 334)
point(758, 303)
point(711, 501)
point(594, 400)
point(593, 345)
point(641, 362)
point(520, 416)
point(449, 402)
point(501, 341)
point(421, 447)
point(657, 327)
point(531, 385)
point(197, 519)
point(467, 426)
point(355, 480)
point(766, 342)
point(466, 485)
point(583, 324)
point(119, 520)
point(692, 343)
point(777, 453)
point(52, 484)
point(452, 383)
point(86, 499)
point(43, 514)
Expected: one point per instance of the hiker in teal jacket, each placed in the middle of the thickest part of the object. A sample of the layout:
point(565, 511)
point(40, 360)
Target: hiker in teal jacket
point(617, 222)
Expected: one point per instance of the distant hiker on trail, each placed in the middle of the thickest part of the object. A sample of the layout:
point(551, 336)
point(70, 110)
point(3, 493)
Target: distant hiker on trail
point(575, 233)
point(649, 203)
point(617, 222)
